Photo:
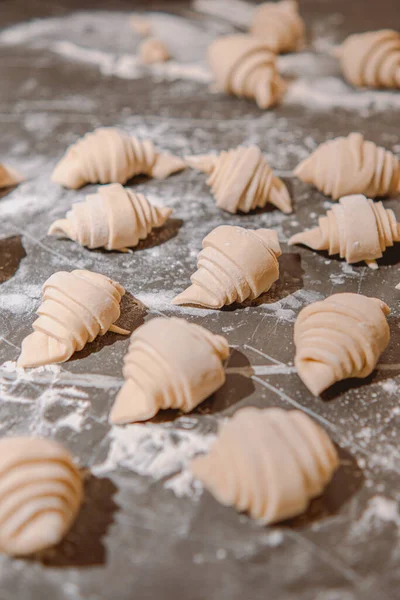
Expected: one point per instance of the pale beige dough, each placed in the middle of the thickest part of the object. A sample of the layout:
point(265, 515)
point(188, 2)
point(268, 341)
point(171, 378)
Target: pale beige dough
point(245, 67)
point(242, 180)
point(279, 26)
point(153, 50)
point(9, 176)
point(76, 308)
point(40, 494)
point(356, 228)
point(140, 25)
point(351, 165)
point(371, 59)
point(235, 264)
point(170, 364)
point(108, 155)
point(340, 337)
point(269, 463)
point(115, 218)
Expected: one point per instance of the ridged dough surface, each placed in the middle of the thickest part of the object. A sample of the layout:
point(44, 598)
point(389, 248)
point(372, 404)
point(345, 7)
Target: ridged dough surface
point(40, 494)
point(351, 165)
point(236, 264)
point(77, 306)
point(242, 180)
point(269, 463)
point(9, 176)
point(170, 364)
point(356, 228)
point(115, 218)
point(279, 26)
point(340, 337)
point(372, 59)
point(108, 155)
point(245, 67)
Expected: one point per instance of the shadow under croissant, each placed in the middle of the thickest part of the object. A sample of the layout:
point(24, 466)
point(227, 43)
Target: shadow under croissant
point(12, 252)
point(84, 544)
point(133, 314)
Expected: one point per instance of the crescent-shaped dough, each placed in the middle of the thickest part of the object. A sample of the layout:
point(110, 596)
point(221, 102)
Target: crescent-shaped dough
point(351, 165)
point(115, 218)
point(245, 67)
point(356, 228)
point(340, 337)
point(9, 176)
point(269, 463)
point(40, 494)
point(108, 155)
point(371, 59)
point(235, 264)
point(242, 180)
point(170, 364)
point(76, 308)
point(279, 26)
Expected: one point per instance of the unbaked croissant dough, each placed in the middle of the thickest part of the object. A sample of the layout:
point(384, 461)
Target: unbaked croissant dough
point(279, 25)
point(9, 176)
point(115, 218)
point(170, 364)
point(340, 337)
point(40, 494)
point(351, 165)
point(108, 155)
point(269, 463)
point(371, 59)
point(235, 264)
point(76, 308)
point(242, 180)
point(356, 228)
point(245, 67)
point(152, 50)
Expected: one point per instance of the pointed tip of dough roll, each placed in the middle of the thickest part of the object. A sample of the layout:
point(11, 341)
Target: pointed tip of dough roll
point(203, 162)
point(166, 164)
point(197, 296)
point(67, 173)
point(61, 227)
point(131, 405)
point(39, 349)
point(311, 238)
point(280, 197)
point(315, 375)
point(163, 213)
point(9, 176)
point(305, 171)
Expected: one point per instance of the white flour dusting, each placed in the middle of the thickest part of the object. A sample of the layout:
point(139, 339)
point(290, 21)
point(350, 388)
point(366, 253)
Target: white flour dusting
point(380, 510)
point(237, 12)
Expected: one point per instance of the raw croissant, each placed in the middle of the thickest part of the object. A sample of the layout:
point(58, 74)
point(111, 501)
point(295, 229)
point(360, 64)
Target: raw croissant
point(372, 59)
point(115, 218)
point(108, 155)
point(343, 336)
point(269, 463)
point(9, 176)
point(242, 180)
point(356, 228)
point(351, 165)
point(235, 264)
point(245, 67)
point(170, 364)
point(279, 25)
point(76, 308)
point(40, 494)
point(153, 50)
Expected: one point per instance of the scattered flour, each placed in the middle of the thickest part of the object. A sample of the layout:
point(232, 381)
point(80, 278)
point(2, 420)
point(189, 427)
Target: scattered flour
point(390, 386)
point(237, 12)
point(379, 510)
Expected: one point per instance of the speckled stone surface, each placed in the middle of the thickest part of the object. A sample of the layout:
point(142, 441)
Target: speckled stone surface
point(145, 530)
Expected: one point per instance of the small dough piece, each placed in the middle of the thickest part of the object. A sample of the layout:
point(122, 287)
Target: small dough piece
point(356, 228)
point(371, 59)
point(340, 337)
point(351, 165)
point(153, 50)
point(40, 494)
point(235, 264)
point(245, 67)
point(9, 176)
point(242, 180)
point(76, 308)
point(140, 25)
point(115, 218)
point(279, 26)
point(108, 155)
point(170, 364)
point(269, 463)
